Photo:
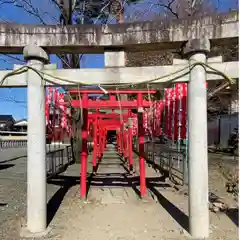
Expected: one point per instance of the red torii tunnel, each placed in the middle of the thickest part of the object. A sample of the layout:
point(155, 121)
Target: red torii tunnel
point(97, 125)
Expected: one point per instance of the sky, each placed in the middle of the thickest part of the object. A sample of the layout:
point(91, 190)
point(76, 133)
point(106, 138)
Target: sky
point(13, 101)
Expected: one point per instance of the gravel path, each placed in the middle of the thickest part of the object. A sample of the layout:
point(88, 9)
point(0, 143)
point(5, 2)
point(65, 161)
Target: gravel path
point(113, 210)
point(13, 187)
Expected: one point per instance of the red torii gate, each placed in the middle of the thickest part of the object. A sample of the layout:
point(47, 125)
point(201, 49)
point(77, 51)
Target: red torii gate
point(100, 125)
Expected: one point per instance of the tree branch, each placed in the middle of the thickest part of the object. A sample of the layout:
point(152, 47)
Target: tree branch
point(14, 57)
point(168, 7)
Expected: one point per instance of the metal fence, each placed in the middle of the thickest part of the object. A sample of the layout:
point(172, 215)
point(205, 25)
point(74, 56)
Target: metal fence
point(58, 160)
point(170, 159)
point(12, 143)
point(58, 157)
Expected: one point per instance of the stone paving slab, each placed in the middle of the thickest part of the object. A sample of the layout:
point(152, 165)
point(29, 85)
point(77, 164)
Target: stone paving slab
point(111, 196)
point(111, 212)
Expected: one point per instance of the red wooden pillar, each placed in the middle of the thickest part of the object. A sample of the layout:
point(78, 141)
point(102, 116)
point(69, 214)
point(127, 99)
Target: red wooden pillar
point(101, 141)
point(98, 136)
point(47, 107)
point(127, 144)
point(47, 112)
point(83, 182)
point(141, 146)
point(61, 132)
point(130, 155)
point(54, 117)
point(120, 140)
point(125, 140)
point(95, 148)
point(105, 139)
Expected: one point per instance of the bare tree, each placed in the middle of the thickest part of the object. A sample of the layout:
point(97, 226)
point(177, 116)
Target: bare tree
point(68, 12)
point(165, 10)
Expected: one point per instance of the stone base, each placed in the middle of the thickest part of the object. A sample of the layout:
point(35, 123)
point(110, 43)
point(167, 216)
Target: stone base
point(26, 234)
point(192, 238)
point(189, 237)
point(148, 198)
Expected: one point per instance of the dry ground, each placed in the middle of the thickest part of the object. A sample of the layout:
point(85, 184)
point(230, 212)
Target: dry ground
point(113, 210)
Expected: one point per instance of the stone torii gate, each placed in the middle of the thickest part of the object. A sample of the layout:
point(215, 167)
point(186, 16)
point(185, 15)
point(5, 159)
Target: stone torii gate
point(114, 44)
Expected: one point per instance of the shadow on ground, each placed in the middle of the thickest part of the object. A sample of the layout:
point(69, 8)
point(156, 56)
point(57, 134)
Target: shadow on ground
point(176, 213)
point(6, 166)
point(65, 183)
point(233, 213)
point(154, 184)
point(115, 180)
point(3, 204)
point(12, 159)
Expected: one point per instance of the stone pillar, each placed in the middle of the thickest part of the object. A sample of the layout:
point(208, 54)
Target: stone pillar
point(197, 50)
point(36, 134)
point(115, 58)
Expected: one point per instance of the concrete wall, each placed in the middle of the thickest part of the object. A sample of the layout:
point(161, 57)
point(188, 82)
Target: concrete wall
point(220, 129)
point(213, 132)
point(227, 124)
point(8, 138)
